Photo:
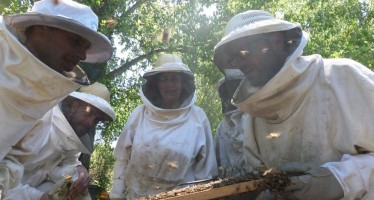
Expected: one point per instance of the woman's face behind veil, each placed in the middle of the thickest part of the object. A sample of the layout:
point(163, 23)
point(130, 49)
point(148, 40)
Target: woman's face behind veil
point(170, 87)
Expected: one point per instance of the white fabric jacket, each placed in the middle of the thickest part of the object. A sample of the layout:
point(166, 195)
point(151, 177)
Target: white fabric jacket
point(161, 148)
point(48, 153)
point(28, 90)
point(317, 111)
point(228, 140)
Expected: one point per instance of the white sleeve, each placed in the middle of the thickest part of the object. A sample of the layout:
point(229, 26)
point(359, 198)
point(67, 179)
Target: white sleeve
point(206, 166)
point(23, 192)
point(122, 154)
point(66, 167)
point(60, 172)
point(119, 187)
point(355, 174)
point(217, 144)
point(71, 158)
point(11, 173)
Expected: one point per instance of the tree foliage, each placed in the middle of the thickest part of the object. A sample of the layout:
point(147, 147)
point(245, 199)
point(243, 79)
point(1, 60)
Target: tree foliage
point(142, 29)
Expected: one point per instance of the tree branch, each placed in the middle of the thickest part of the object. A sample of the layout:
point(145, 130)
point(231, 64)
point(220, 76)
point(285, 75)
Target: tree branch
point(123, 68)
point(134, 7)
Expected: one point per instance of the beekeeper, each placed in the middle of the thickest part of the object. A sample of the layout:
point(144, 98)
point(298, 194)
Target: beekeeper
point(39, 53)
point(167, 140)
point(50, 151)
point(228, 140)
point(307, 115)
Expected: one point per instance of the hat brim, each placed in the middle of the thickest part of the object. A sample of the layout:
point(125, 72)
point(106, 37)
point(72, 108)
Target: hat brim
point(260, 27)
point(98, 102)
point(100, 50)
point(168, 67)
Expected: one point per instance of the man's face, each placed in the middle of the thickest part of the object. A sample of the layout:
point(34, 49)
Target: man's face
point(61, 50)
point(83, 117)
point(259, 57)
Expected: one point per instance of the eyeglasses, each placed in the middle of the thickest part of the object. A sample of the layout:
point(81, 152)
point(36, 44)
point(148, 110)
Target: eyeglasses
point(244, 54)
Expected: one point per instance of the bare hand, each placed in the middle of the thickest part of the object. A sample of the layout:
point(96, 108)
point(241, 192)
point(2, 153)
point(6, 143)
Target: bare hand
point(81, 183)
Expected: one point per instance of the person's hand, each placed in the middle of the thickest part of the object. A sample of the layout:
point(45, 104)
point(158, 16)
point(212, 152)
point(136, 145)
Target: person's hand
point(81, 184)
point(315, 183)
point(44, 197)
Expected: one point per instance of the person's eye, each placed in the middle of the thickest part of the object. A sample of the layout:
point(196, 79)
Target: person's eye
point(76, 41)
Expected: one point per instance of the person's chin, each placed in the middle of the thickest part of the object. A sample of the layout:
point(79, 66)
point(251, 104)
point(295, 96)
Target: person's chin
point(56, 68)
point(67, 68)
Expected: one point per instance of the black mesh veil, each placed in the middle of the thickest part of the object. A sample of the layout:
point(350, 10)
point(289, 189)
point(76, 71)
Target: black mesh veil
point(226, 89)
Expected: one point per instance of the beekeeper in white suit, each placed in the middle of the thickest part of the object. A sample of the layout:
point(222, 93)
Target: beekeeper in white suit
point(39, 53)
point(228, 140)
point(50, 151)
point(167, 140)
point(307, 115)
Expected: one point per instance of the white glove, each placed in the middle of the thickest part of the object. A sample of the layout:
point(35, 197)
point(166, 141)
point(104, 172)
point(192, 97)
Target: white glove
point(315, 183)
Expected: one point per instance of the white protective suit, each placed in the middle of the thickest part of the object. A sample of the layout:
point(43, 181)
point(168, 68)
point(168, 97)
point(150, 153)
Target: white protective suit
point(229, 140)
point(317, 111)
point(28, 90)
point(161, 148)
point(48, 153)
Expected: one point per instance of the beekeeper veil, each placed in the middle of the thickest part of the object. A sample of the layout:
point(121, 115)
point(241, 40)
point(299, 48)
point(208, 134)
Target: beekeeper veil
point(226, 87)
point(253, 23)
point(168, 63)
point(98, 96)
